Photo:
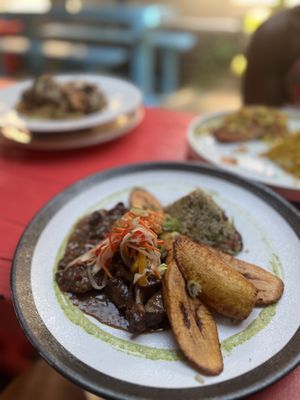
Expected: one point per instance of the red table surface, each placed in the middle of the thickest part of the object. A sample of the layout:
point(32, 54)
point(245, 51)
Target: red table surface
point(29, 179)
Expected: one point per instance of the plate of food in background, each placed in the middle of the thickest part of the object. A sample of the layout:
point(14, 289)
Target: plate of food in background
point(23, 138)
point(162, 280)
point(257, 142)
point(63, 103)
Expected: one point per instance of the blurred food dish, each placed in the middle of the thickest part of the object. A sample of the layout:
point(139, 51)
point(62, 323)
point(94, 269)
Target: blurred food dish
point(255, 155)
point(286, 153)
point(114, 97)
point(251, 122)
point(49, 99)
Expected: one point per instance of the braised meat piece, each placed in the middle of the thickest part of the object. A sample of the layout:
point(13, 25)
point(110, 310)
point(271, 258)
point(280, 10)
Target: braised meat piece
point(74, 280)
point(77, 280)
point(100, 222)
point(120, 271)
point(136, 318)
point(155, 310)
point(142, 318)
point(87, 233)
point(119, 293)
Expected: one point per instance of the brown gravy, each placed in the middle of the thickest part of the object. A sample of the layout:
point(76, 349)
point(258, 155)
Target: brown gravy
point(98, 306)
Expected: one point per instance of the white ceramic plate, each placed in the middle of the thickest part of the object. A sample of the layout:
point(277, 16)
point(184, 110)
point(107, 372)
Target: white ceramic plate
point(121, 126)
point(243, 158)
point(113, 363)
point(122, 96)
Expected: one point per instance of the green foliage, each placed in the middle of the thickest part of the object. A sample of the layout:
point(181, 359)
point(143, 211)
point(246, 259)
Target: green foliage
point(212, 59)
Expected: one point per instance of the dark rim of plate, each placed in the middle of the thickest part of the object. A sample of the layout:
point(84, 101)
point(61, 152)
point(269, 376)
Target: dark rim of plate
point(101, 384)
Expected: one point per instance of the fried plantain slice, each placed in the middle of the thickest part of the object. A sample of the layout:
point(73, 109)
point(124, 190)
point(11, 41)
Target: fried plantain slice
point(220, 286)
point(141, 198)
point(192, 324)
point(269, 287)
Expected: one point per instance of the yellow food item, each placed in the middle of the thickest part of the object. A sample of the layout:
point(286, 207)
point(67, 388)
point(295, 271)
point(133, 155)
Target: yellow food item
point(286, 153)
point(251, 122)
point(141, 198)
point(222, 287)
point(192, 324)
point(269, 286)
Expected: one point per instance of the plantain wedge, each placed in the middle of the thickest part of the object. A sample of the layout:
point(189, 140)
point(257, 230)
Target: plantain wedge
point(141, 198)
point(192, 324)
point(219, 286)
point(269, 286)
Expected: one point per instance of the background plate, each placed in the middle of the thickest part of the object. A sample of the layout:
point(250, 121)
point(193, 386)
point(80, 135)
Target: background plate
point(246, 155)
point(122, 97)
point(121, 126)
point(112, 363)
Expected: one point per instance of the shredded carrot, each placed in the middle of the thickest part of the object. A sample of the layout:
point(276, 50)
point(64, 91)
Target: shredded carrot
point(148, 246)
point(110, 241)
point(147, 227)
point(118, 230)
point(106, 271)
point(151, 221)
